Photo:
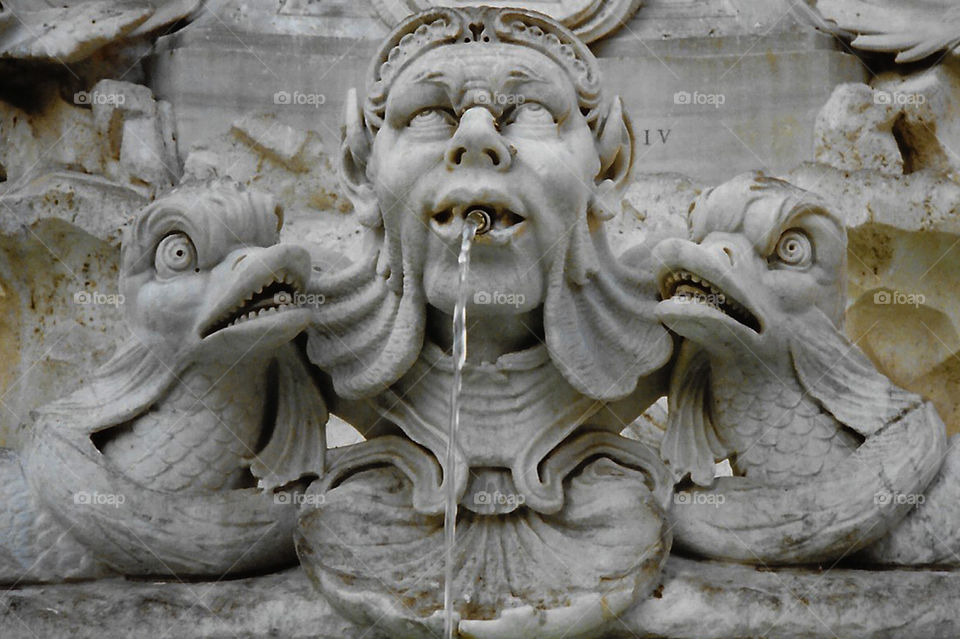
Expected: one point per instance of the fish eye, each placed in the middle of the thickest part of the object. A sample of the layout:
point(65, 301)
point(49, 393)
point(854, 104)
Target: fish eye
point(175, 254)
point(794, 248)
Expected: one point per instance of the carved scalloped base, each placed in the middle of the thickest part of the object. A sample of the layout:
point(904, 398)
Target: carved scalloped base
point(518, 574)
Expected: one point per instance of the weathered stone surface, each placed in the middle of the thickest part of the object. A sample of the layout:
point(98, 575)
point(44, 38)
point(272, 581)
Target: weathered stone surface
point(116, 129)
point(900, 124)
point(774, 75)
point(68, 31)
point(66, 34)
point(61, 317)
point(902, 266)
point(291, 163)
point(855, 133)
point(696, 600)
point(655, 205)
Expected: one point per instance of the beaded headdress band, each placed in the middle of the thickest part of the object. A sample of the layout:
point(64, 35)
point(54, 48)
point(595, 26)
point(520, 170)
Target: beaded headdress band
point(443, 26)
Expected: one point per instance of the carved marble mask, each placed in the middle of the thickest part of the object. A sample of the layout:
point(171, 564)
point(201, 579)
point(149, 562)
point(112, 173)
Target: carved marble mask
point(496, 126)
point(499, 109)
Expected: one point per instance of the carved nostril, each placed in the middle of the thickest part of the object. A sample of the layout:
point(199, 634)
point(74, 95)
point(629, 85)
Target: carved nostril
point(239, 259)
point(456, 156)
point(729, 254)
point(493, 155)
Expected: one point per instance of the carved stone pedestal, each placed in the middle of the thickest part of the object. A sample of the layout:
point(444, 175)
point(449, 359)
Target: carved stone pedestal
point(697, 600)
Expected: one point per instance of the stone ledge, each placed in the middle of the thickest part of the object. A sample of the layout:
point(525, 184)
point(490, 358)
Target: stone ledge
point(698, 600)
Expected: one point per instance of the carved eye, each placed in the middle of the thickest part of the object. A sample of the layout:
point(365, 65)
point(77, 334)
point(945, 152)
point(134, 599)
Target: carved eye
point(431, 117)
point(175, 254)
point(794, 248)
point(531, 113)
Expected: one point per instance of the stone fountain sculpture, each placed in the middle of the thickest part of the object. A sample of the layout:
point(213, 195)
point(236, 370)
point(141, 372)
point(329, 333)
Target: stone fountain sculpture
point(186, 453)
point(830, 457)
point(824, 448)
point(165, 462)
point(562, 519)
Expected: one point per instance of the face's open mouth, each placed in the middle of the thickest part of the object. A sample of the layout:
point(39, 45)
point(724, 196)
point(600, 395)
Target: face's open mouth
point(690, 288)
point(501, 217)
point(278, 294)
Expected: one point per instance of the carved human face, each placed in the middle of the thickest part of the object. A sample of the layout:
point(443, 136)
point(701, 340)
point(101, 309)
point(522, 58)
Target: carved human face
point(496, 126)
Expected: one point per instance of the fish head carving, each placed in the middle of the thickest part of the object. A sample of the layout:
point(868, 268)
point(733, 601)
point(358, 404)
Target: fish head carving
point(203, 275)
point(762, 253)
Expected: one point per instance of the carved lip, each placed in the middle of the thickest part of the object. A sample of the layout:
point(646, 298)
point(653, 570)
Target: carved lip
point(276, 292)
point(685, 286)
point(506, 214)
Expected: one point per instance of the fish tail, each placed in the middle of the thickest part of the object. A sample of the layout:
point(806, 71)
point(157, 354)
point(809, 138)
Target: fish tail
point(35, 546)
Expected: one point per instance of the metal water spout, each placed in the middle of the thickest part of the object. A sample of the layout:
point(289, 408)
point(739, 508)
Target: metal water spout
point(481, 219)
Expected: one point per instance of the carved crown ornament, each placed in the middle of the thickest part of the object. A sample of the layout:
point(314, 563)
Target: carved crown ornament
point(481, 26)
point(590, 20)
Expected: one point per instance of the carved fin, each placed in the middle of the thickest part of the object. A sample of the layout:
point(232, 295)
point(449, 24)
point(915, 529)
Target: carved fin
point(297, 447)
point(836, 373)
point(691, 444)
point(125, 386)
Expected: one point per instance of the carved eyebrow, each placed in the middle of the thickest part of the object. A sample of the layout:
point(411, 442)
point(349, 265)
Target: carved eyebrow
point(439, 78)
point(523, 73)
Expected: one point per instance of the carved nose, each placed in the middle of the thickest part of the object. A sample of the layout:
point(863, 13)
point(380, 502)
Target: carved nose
point(725, 246)
point(477, 142)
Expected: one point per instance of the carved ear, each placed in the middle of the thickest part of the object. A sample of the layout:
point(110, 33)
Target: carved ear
point(615, 144)
point(354, 153)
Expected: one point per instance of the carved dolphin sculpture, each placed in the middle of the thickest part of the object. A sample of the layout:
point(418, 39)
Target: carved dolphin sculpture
point(765, 378)
point(151, 467)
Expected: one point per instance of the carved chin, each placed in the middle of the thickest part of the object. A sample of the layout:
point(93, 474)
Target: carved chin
point(494, 287)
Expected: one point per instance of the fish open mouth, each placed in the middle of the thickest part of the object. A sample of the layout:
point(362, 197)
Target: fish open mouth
point(277, 295)
point(501, 217)
point(691, 288)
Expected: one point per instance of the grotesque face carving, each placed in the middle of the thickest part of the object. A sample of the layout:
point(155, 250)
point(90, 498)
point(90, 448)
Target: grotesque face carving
point(499, 109)
point(498, 113)
point(496, 126)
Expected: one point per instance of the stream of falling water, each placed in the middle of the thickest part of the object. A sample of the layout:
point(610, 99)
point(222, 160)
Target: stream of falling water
point(449, 473)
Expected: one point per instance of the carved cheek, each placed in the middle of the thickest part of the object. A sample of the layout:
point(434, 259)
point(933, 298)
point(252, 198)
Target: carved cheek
point(400, 162)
